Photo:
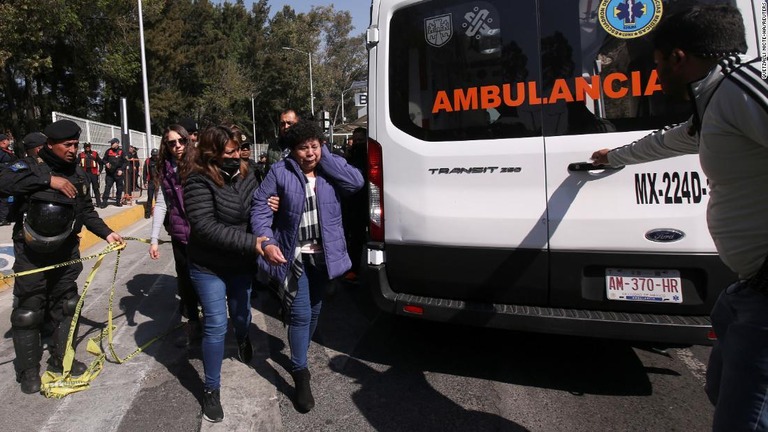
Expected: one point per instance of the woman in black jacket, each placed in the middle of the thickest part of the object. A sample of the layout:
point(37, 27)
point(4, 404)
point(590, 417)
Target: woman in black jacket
point(222, 250)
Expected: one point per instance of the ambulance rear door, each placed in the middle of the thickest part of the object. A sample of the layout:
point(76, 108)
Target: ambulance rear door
point(633, 239)
point(463, 175)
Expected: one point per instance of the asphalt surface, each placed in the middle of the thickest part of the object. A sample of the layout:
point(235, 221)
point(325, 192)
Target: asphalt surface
point(370, 371)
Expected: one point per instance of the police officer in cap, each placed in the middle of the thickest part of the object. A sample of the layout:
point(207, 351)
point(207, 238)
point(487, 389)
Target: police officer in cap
point(114, 162)
point(53, 207)
point(7, 157)
point(150, 180)
point(33, 142)
point(92, 166)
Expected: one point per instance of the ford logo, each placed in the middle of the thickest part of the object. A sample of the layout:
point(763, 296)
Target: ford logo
point(664, 235)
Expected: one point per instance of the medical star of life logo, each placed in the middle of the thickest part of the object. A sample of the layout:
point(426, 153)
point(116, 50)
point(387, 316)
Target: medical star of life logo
point(438, 30)
point(627, 19)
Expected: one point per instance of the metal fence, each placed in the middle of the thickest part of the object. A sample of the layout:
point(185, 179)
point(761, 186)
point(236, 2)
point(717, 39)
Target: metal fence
point(99, 134)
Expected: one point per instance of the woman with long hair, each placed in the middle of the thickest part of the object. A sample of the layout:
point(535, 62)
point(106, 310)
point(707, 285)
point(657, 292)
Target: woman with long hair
point(222, 249)
point(169, 212)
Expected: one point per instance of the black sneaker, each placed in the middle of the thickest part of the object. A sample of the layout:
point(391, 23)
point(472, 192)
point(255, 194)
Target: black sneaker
point(212, 406)
point(245, 351)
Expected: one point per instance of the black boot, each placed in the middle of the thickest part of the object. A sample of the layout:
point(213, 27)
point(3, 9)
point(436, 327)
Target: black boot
point(303, 399)
point(29, 379)
point(245, 350)
point(29, 351)
point(59, 341)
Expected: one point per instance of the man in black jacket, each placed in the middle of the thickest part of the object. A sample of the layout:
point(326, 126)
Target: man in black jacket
point(52, 208)
point(114, 162)
point(150, 177)
point(92, 165)
point(356, 206)
point(7, 157)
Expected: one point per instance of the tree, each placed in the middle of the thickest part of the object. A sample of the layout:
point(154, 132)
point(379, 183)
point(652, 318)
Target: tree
point(204, 60)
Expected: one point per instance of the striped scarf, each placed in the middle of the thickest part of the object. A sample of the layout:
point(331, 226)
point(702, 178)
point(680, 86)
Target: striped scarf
point(309, 229)
point(309, 226)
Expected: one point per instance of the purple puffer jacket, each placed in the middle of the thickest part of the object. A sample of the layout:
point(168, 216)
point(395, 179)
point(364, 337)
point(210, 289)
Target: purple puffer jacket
point(177, 226)
point(335, 177)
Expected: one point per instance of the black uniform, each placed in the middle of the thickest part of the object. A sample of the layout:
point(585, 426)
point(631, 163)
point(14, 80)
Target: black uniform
point(356, 215)
point(132, 166)
point(92, 165)
point(150, 177)
point(52, 295)
point(116, 162)
point(7, 157)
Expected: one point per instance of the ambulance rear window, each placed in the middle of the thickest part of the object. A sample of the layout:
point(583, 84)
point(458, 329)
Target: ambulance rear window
point(473, 70)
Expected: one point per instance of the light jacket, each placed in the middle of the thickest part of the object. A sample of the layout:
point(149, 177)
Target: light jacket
point(335, 178)
point(729, 131)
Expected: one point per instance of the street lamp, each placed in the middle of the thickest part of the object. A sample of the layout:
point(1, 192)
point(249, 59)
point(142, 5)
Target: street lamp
point(147, 142)
point(311, 92)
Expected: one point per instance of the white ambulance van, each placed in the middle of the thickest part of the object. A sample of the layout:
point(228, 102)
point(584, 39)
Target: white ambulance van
point(483, 209)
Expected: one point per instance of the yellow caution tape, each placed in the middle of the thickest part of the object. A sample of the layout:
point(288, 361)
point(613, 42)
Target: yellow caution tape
point(55, 385)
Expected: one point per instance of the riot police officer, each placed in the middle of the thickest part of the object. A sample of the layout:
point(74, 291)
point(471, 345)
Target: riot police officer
point(114, 162)
point(150, 180)
point(92, 165)
point(52, 207)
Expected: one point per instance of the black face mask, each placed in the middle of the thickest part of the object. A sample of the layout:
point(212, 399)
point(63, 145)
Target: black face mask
point(230, 167)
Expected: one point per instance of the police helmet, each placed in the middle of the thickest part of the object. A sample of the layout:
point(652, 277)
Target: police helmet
point(47, 225)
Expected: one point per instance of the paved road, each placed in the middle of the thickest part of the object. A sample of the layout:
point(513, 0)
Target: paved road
point(370, 372)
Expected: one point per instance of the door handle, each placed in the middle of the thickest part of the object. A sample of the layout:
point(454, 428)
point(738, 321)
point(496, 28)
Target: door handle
point(587, 166)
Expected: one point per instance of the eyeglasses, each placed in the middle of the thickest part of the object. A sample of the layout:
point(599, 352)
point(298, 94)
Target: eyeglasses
point(173, 143)
point(287, 123)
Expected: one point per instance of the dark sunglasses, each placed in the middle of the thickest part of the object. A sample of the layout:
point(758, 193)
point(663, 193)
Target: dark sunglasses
point(172, 143)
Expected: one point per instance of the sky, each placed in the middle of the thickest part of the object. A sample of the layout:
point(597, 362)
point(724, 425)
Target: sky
point(359, 9)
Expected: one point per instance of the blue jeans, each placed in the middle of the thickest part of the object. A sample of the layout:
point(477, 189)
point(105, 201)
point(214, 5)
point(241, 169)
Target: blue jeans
point(306, 308)
point(219, 293)
point(737, 374)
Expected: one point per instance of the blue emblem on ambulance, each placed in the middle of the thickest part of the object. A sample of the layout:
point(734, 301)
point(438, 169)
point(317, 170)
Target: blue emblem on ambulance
point(664, 235)
point(627, 19)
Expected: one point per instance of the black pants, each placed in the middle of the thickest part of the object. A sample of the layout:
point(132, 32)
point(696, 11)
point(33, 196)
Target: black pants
point(189, 300)
point(92, 183)
point(130, 181)
point(150, 197)
point(46, 291)
point(355, 221)
point(109, 180)
point(5, 209)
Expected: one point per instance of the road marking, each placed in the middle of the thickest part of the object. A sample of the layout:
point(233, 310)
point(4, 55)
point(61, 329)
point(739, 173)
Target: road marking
point(697, 368)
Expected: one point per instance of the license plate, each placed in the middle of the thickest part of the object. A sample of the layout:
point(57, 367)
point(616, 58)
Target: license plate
point(646, 285)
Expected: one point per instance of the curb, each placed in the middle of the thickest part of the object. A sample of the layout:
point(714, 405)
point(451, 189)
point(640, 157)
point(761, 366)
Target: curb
point(116, 222)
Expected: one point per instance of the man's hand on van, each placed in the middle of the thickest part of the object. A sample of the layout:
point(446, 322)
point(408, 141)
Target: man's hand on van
point(600, 157)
